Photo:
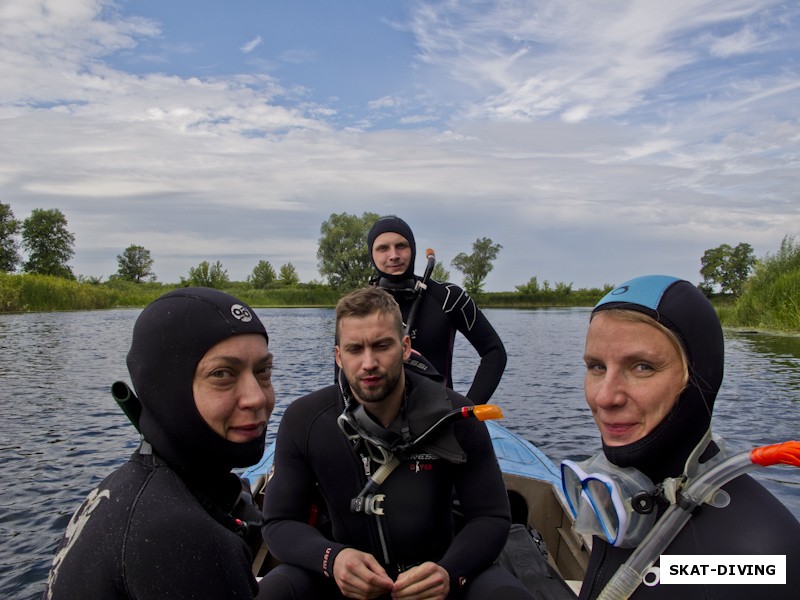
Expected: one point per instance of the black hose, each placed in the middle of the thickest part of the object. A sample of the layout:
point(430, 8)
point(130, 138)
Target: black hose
point(422, 285)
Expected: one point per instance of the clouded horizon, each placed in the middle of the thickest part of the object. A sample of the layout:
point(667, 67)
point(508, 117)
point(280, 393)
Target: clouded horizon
point(594, 141)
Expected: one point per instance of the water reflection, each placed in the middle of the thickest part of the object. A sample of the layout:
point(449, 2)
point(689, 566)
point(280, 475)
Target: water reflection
point(776, 355)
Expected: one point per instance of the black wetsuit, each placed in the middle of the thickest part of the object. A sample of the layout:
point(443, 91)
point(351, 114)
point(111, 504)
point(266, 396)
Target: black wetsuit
point(313, 454)
point(755, 522)
point(143, 534)
point(444, 309)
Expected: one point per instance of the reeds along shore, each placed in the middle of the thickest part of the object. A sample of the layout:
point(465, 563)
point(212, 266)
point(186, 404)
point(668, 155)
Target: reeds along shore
point(770, 301)
point(28, 293)
point(31, 293)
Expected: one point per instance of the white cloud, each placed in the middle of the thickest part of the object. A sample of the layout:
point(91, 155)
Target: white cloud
point(252, 45)
point(593, 141)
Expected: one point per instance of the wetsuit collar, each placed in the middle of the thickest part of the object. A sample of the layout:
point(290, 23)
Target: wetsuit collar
point(425, 402)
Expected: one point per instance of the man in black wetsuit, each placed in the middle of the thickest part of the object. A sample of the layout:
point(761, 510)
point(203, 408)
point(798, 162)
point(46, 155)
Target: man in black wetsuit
point(398, 536)
point(444, 309)
point(174, 521)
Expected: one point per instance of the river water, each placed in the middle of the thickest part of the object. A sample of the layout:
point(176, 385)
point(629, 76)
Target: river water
point(61, 433)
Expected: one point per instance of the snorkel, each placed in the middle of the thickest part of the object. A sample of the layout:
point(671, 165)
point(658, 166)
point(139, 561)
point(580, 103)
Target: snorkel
point(702, 489)
point(128, 402)
point(420, 287)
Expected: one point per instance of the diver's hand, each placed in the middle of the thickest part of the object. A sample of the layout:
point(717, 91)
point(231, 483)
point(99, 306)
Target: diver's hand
point(427, 581)
point(359, 575)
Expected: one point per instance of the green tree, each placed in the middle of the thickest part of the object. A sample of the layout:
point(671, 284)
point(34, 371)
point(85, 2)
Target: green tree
point(478, 265)
point(135, 264)
point(48, 242)
point(564, 289)
point(288, 275)
point(727, 267)
point(439, 273)
point(9, 228)
point(343, 254)
point(263, 275)
point(208, 275)
point(532, 287)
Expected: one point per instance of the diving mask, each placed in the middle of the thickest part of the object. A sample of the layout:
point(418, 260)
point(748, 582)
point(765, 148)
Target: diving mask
point(611, 502)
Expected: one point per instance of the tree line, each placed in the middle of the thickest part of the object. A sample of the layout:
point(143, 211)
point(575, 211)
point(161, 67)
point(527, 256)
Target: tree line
point(50, 246)
point(342, 254)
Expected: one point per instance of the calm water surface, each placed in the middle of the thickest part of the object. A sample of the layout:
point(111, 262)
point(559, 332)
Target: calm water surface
point(61, 432)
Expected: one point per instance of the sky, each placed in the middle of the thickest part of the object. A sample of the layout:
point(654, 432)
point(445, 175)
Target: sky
point(594, 140)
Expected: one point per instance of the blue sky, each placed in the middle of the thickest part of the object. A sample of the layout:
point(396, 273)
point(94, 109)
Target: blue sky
point(595, 141)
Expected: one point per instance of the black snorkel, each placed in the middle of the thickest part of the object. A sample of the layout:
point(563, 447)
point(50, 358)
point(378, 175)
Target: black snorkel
point(128, 402)
point(420, 287)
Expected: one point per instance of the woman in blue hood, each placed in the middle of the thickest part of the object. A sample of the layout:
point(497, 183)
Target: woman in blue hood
point(174, 522)
point(654, 362)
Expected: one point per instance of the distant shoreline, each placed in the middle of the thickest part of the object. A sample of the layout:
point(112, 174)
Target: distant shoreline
point(23, 293)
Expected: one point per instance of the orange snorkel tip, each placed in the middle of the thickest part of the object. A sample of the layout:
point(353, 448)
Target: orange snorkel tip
point(487, 412)
point(785, 453)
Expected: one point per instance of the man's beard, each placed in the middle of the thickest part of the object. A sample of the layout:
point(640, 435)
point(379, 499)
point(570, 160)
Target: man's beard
point(378, 393)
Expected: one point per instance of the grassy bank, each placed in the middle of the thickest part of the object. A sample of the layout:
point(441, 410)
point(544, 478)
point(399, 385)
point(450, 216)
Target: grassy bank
point(540, 299)
point(771, 300)
point(22, 293)
point(31, 293)
point(771, 297)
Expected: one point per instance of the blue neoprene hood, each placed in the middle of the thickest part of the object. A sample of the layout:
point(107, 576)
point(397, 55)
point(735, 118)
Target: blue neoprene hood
point(681, 307)
point(645, 291)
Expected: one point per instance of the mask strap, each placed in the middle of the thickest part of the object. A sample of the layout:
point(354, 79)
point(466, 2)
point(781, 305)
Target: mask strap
point(694, 468)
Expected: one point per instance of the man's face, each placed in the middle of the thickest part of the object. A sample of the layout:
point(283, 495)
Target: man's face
point(370, 353)
point(391, 253)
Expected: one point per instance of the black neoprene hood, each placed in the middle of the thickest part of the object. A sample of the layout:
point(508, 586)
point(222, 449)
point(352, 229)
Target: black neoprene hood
point(392, 224)
point(170, 337)
point(681, 307)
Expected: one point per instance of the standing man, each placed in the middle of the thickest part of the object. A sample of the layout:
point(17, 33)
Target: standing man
point(444, 309)
point(393, 536)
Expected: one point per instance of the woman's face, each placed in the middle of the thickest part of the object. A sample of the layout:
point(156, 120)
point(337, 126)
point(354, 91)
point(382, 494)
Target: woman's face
point(233, 387)
point(634, 375)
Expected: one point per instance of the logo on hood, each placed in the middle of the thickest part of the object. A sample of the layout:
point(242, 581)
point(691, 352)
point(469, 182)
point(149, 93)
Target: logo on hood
point(242, 313)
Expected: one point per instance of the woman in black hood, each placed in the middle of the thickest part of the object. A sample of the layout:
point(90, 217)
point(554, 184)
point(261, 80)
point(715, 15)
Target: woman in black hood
point(654, 358)
point(174, 522)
